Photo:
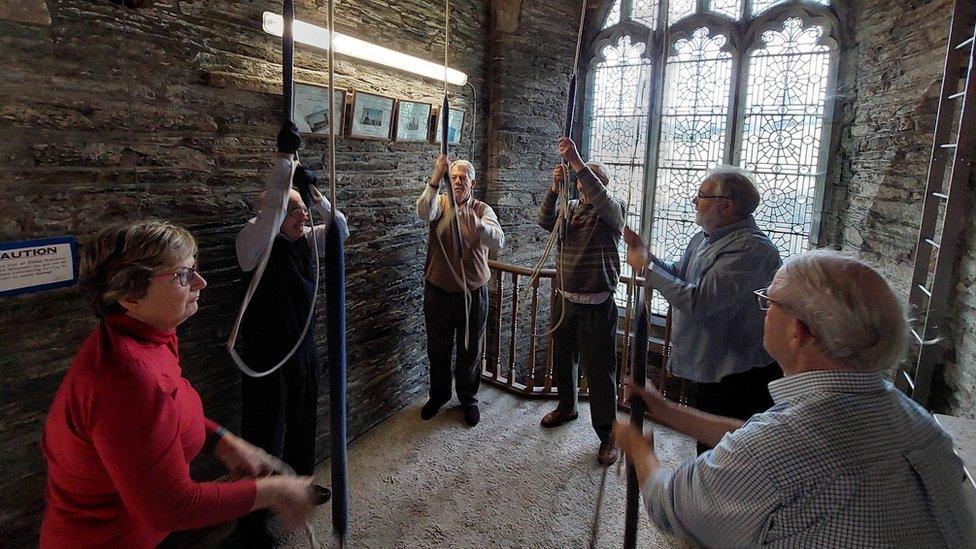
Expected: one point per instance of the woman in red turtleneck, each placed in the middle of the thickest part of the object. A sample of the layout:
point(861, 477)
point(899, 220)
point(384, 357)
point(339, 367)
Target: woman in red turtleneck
point(125, 424)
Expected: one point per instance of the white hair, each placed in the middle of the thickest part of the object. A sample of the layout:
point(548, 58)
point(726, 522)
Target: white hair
point(600, 170)
point(739, 185)
point(468, 167)
point(857, 319)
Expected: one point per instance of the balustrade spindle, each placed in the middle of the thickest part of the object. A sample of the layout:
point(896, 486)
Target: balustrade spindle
point(513, 340)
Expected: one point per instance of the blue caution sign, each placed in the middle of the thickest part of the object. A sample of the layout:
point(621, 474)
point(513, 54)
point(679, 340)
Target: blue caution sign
point(37, 265)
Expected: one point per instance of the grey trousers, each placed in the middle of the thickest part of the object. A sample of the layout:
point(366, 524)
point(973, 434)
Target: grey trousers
point(587, 337)
point(444, 316)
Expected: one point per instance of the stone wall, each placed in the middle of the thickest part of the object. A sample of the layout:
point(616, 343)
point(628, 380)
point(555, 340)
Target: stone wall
point(891, 94)
point(201, 81)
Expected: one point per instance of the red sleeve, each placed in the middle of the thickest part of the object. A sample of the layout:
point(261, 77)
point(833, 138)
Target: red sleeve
point(135, 429)
point(210, 425)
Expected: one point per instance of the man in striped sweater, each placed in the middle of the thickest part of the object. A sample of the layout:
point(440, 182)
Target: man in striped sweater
point(587, 271)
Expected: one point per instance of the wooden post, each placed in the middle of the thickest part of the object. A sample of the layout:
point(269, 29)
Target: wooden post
point(530, 381)
point(512, 340)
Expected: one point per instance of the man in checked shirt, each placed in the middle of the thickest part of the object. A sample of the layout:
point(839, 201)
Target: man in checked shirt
point(842, 459)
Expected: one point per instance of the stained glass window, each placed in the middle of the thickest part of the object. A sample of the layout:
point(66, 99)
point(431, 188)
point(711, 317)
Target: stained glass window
point(679, 9)
point(645, 11)
point(618, 123)
point(731, 8)
point(759, 6)
point(694, 116)
point(774, 84)
point(614, 16)
point(782, 128)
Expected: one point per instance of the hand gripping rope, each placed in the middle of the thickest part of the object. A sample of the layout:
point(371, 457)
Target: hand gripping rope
point(561, 227)
point(452, 215)
point(335, 290)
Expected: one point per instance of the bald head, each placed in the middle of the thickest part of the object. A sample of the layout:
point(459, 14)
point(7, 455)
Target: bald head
point(858, 321)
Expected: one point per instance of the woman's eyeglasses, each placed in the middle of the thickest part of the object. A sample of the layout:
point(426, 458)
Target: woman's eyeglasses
point(185, 274)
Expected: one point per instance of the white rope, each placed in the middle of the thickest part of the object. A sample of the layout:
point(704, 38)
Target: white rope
point(256, 280)
point(262, 264)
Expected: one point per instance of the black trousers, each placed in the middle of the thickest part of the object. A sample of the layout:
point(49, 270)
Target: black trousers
point(444, 316)
point(739, 395)
point(279, 414)
point(587, 338)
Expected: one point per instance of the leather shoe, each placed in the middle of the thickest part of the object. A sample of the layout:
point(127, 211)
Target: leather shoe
point(556, 418)
point(608, 454)
point(472, 415)
point(430, 409)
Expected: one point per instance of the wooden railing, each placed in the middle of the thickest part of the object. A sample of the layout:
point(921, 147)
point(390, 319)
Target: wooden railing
point(530, 372)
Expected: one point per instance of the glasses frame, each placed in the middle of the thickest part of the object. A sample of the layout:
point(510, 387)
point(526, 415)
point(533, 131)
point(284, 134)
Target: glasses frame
point(185, 274)
point(701, 196)
point(762, 297)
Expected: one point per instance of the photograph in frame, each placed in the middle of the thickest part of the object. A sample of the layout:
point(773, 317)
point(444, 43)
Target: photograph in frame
point(372, 116)
point(455, 124)
point(311, 112)
point(413, 121)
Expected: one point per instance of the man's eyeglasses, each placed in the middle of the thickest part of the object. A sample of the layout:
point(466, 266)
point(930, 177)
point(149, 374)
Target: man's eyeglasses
point(297, 209)
point(765, 302)
point(185, 275)
point(701, 196)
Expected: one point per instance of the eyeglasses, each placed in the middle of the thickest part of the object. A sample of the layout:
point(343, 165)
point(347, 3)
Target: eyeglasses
point(765, 302)
point(185, 275)
point(701, 196)
point(302, 209)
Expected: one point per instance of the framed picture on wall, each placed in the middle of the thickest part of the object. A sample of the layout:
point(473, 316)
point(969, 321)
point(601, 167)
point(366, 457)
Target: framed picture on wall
point(412, 121)
point(372, 116)
point(455, 122)
point(311, 104)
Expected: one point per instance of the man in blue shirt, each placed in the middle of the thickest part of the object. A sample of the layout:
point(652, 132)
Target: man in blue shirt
point(843, 459)
point(716, 337)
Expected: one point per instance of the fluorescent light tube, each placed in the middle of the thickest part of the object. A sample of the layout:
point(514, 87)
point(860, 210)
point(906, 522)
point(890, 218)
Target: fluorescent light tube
point(313, 35)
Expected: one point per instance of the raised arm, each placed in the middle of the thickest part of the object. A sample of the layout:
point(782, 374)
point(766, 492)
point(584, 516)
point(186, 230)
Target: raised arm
point(610, 210)
point(322, 209)
point(260, 230)
point(428, 205)
point(547, 210)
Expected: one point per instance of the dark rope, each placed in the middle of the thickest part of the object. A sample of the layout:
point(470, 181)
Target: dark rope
point(335, 315)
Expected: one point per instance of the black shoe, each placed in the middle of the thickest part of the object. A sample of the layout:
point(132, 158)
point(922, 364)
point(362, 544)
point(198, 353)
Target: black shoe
point(472, 415)
point(608, 454)
point(556, 418)
point(430, 409)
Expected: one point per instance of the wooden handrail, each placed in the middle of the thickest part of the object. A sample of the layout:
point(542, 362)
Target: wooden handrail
point(535, 378)
point(522, 271)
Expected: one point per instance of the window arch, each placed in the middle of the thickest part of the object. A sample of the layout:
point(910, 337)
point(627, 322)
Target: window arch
point(742, 82)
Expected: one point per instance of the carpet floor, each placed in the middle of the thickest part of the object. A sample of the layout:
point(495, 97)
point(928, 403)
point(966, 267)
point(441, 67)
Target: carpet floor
point(505, 483)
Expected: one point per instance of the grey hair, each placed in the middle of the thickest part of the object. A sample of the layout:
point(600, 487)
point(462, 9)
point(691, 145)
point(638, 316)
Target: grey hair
point(118, 262)
point(468, 166)
point(600, 170)
point(739, 185)
point(851, 310)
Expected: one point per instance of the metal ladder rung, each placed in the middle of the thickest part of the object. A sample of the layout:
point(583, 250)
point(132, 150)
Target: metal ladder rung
point(965, 42)
point(957, 95)
point(943, 196)
point(908, 379)
point(948, 146)
point(925, 290)
point(918, 338)
point(932, 243)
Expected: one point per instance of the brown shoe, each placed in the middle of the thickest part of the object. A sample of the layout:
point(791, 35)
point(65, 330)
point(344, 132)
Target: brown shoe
point(608, 454)
point(556, 418)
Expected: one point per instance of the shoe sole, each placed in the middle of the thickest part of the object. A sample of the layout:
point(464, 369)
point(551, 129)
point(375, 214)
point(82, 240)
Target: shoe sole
point(563, 422)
